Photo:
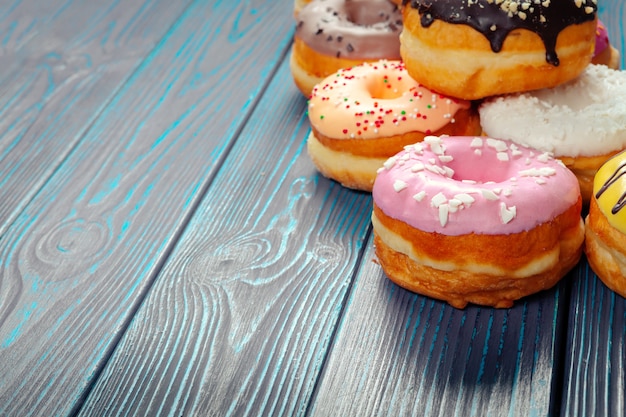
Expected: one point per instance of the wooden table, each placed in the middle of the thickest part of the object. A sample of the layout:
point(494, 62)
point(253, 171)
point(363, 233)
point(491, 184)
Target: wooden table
point(168, 248)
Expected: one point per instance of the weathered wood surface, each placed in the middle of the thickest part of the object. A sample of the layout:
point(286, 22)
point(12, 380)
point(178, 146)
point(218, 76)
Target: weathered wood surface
point(252, 301)
point(168, 248)
point(594, 381)
point(80, 256)
point(61, 63)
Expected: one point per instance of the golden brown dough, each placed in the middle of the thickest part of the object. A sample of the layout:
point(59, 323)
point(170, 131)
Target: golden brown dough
point(433, 56)
point(517, 255)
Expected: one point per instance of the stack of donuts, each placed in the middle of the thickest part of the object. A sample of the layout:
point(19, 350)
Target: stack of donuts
point(479, 127)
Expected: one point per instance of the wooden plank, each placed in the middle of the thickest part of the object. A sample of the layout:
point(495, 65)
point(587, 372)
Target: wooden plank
point(594, 377)
point(240, 319)
point(595, 383)
point(398, 353)
point(61, 63)
point(79, 258)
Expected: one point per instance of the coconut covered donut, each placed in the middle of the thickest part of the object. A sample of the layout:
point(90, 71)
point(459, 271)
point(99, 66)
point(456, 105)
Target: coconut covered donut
point(446, 227)
point(605, 231)
point(335, 34)
point(361, 116)
point(582, 122)
point(504, 46)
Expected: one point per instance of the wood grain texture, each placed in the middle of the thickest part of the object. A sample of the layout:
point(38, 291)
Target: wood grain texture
point(594, 380)
point(401, 354)
point(80, 256)
point(240, 319)
point(61, 62)
point(595, 361)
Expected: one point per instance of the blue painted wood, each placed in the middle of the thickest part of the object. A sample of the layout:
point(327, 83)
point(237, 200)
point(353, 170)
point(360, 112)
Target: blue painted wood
point(81, 255)
point(594, 377)
point(61, 62)
point(398, 353)
point(166, 246)
point(240, 319)
point(594, 380)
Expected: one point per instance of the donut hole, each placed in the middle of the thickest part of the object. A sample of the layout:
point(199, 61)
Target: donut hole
point(360, 15)
point(496, 171)
point(383, 90)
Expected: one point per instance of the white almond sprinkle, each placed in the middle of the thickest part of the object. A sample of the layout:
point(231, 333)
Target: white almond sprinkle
point(507, 192)
point(502, 156)
point(540, 181)
point(435, 169)
point(438, 200)
point(466, 199)
point(454, 204)
point(476, 143)
point(498, 145)
point(538, 172)
point(507, 213)
point(443, 214)
point(469, 181)
point(399, 185)
point(435, 144)
point(445, 158)
point(418, 166)
point(448, 172)
point(478, 152)
point(515, 151)
point(379, 170)
point(419, 196)
point(389, 163)
point(544, 157)
point(489, 195)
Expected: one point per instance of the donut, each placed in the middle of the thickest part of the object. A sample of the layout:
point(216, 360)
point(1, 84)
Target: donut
point(473, 49)
point(604, 53)
point(446, 227)
point(605, 225)
point(298, 5)
point(582, 122)
point(335, 34)
point(360, 116)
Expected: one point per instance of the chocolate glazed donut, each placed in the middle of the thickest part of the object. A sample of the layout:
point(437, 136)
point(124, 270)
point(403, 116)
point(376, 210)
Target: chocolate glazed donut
point(496, 19)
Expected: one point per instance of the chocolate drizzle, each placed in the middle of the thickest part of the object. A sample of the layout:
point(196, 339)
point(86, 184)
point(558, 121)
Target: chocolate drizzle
point(621, 202)
point(495, 19)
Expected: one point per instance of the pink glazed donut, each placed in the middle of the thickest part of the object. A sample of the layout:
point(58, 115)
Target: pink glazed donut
point(476, 220)
point(605, 53)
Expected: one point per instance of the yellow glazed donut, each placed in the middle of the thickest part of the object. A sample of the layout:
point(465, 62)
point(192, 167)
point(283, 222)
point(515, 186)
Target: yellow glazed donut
point(478, 48)
point(605, 225)
point(361, 116)
point(335, 34)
